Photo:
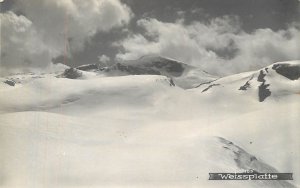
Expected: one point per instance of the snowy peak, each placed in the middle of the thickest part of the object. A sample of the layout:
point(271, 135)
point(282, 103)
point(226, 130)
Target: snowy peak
point(154, 65)
point(160, 65)
point(88, 67)
point(275, 81)
point(185, 76)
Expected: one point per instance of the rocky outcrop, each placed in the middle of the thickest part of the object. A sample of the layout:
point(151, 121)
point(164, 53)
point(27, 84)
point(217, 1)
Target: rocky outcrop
point(71, 73)
point(88, 67)
point(263, 91)
point(10, 82)
point(289, 71)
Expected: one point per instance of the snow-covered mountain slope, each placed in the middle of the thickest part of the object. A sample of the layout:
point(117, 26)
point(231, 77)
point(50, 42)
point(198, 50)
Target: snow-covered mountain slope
point(51, 92)
point(271, 83)
point(14, 79)
point(185, 76)
point(66, 151)
point(145, 131)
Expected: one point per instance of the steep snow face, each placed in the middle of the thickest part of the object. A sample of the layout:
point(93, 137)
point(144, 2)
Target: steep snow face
point(145, 131)
point(271, 83)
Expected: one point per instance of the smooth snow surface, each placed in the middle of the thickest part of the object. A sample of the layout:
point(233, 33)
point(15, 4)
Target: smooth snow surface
point(144, 131)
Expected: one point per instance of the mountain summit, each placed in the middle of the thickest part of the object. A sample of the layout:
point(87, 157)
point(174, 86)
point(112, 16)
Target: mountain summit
point(184, 75)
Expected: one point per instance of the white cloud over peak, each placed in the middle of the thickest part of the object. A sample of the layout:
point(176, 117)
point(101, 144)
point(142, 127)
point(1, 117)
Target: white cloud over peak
point(219, 46)
point(103, 59)
point(55, 27)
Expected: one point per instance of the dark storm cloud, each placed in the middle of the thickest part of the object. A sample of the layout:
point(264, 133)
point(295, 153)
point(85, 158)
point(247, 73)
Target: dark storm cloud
point(98, 45)
point(6, 5)
point(273, 14)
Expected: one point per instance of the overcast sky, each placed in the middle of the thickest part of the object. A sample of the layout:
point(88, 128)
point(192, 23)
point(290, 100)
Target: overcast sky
point(221, 36)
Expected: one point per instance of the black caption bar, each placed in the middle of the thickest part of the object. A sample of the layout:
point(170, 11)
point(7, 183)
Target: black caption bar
point(251, 176)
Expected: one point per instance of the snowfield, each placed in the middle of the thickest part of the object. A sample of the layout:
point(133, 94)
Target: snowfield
point(149, 130)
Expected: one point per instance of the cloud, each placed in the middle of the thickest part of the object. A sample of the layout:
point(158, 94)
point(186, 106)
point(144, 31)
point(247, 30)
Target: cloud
point(78, 19)
point(54, 27)
point(20, 42)
point(219, 46)
point(104, 59)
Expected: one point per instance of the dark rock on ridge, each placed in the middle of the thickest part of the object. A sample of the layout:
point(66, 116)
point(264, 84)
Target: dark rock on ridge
point(291, 72)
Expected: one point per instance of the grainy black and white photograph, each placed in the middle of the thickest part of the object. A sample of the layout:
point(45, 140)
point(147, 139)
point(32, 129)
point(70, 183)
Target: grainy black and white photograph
point(150, 93)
